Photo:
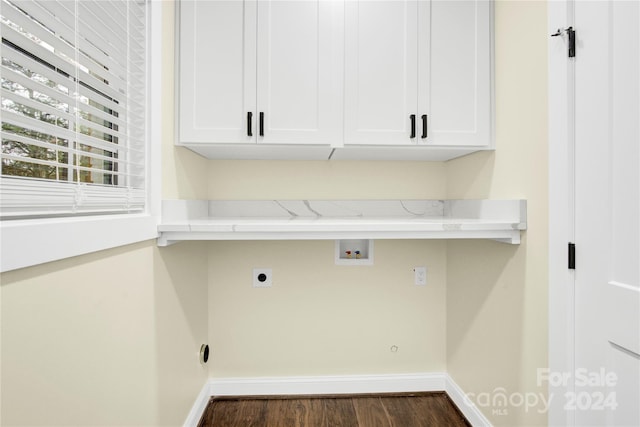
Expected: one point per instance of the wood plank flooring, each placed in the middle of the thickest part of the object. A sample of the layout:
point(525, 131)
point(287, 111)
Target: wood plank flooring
point(402, 410)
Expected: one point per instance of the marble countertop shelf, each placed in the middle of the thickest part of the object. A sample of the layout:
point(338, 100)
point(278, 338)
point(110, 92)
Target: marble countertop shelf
point(500, 220)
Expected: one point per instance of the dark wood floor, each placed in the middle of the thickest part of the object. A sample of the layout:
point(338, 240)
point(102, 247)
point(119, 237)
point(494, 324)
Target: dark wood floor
point(407, 410)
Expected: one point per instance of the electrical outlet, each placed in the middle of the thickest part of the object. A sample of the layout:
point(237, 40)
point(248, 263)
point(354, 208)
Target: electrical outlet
point(420, 276)
point(262, 277)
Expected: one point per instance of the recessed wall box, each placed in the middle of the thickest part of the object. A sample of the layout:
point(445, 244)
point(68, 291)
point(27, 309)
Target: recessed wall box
point(354, 252)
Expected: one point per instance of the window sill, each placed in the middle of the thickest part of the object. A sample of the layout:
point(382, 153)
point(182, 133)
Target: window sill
point(26, 243)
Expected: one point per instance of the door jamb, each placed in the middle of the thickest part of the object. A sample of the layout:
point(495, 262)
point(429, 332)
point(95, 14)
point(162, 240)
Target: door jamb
point(561, 109)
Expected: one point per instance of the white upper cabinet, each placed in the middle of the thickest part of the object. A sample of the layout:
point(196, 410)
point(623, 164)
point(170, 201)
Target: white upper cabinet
point(300, 71)
point(217, 69)
point(456, 84)
point(339, 79)
point(261, 72)
point(381, 71)
point(418, 72)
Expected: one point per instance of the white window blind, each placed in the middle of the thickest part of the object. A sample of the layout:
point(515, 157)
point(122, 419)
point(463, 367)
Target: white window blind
point(74, 79)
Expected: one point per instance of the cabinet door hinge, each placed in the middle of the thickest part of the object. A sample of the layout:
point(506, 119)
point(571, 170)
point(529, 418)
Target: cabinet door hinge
point(572, 256)
point(571, 33)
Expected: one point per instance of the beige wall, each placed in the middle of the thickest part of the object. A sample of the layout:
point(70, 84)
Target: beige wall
point(323, 319)
point(319, 318)
point(497, 294)
point(111, 338)
point(183, 171)
point(254, 179)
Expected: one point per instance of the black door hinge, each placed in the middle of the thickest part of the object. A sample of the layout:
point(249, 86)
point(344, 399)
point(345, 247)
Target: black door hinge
point(572, 39)
point(572, 256)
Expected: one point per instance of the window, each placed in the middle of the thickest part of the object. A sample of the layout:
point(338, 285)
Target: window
point(73, 107)
point(81, 124)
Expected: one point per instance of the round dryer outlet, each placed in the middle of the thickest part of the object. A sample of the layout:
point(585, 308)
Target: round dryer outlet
point(204, 353)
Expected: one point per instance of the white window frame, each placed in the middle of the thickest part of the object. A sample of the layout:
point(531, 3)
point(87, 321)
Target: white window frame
point(29, 242)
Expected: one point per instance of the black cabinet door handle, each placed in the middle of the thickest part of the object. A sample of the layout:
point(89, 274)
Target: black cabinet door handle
point(249, 126)
point(424, 126)
point(261, 123)
point(413, 126)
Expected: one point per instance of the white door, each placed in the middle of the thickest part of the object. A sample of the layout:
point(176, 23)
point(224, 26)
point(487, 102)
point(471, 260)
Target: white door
point(381, 72)
point(217, 71)
point(455, 81)
point(300, 72)
point(607, 218)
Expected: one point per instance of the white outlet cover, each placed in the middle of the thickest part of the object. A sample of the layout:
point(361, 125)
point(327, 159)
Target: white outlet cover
point(268, 280)
point(420, 276)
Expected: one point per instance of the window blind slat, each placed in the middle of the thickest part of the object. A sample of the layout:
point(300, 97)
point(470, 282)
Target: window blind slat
point(57, 12)
point(36, 142)
point(34, 28)
point(97, 32)
point(136, 116)
point(137, 105)
point(131, 166)
point(74, 107)
point(98, 143)
point(135, 43)
point(52, 14)
point(87, 93)
point(111, 39)
point(106, 90)
point(100, 128)
point(63, 85)
point(136, 7)
point(87, 141)
point(25, 197)
point(104, 171)
point(116, 9)
point(103, 115)
point(117, 63)
point(109, 14)
point(100, 158)
point(37, 50)
point(36, 125)
point(52, 96)
point(102, 80)
point(137, 69)
point(34, 160)
point(89, 54)
point(36, 105)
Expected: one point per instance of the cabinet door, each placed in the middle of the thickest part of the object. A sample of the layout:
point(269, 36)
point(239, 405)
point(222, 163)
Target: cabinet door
point(300, 71)
point(456, 86)
point(381, 71)
point(217, 70)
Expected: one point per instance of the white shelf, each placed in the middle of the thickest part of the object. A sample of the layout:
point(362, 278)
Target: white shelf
point(500, 220)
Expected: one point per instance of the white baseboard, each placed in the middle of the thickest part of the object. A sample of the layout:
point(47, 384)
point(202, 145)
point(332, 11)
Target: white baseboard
point(348, 384)
point(466, 406)
point(199, 406)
